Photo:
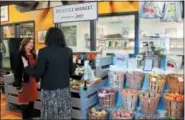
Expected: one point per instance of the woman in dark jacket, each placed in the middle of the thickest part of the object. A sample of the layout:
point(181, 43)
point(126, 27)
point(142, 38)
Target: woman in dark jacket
point(25, 84)
point(54, 66)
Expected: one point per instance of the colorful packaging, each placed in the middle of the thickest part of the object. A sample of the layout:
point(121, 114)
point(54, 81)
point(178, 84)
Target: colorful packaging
point(151, 9)
point(121, 60)
point(172, 12)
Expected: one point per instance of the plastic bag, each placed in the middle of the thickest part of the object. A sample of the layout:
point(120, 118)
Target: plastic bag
point(151, 9)
point(172, 12)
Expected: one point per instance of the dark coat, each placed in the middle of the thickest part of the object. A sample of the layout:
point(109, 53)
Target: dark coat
point(19, 70)
point(55, 66)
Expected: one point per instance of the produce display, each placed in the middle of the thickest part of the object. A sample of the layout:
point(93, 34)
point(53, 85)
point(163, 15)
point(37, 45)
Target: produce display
point(176, 83)
point(79, 71)
point(129, 98)
point(156, 82)
point(116, 79)
point(122, 114)
point(149, 102)
point(174, 105)
point(174, 96)
point(107, 97)
point(98, 114)
point(75, 84)
point(135, 79)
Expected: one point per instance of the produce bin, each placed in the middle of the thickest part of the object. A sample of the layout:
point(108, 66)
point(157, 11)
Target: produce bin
point(176, 83)
point(122, 114)
point(149, 102)
point(100, 114)
point(156, 84)
point(116, 79)
point(135, 79)
point(107, 97)
point(174, 105)
point(129, 98)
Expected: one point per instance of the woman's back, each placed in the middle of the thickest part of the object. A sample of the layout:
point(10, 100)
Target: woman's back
point(55, 66)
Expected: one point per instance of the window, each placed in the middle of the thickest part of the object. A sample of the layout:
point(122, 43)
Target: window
point(77, 35)
point(9, 31)
point(116, 33)
point(27, 30)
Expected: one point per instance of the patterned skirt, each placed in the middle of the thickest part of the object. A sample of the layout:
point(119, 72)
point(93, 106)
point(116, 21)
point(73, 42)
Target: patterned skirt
point(56, 104)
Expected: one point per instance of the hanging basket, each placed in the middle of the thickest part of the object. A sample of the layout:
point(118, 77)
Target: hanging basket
point(122, 114)
point(175, 84)
point(97, 114)
point(116, 79)
point(135, 79)
point(107, 97)
point(156, 84)
point(174, 107)
point(129, 98)
point(149, 102)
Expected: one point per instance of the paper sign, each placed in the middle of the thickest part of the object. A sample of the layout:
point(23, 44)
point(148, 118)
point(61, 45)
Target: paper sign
point(132, 63)
point(148, 64)
point(79, 61)
point(153, 79)
point(180, 79)
point(101, 95)
point(139, 57)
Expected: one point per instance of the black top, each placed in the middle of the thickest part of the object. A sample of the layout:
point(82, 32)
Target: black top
point(19, 71)
point(54, 66)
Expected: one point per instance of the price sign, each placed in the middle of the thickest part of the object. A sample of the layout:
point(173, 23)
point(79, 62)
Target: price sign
point(180, 79)
point(153, 79)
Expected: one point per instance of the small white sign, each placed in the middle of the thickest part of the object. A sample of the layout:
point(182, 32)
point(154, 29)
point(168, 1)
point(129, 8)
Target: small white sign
point(153, 79)
point(180, 79)
point(73, 13)
point(4, 14)
point(101, 95)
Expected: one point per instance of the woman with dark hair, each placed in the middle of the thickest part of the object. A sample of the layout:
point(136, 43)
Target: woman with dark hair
point(54, 66)
point(25, 84)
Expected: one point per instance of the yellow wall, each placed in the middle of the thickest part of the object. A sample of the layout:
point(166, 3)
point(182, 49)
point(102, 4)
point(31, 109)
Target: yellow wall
point(43, 18)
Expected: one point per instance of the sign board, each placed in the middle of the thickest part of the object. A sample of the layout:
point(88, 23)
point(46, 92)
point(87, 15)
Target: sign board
point(4, 14)
point(73, 13)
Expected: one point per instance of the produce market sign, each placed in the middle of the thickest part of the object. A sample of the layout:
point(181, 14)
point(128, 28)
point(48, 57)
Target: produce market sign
point(73, 13)
point(4, 14)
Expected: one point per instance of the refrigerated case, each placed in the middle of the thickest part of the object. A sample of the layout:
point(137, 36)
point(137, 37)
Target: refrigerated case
point(9, 31)
point(116, 33)
point(27, 30)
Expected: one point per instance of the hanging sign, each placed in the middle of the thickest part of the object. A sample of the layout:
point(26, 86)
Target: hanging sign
point(151, 10)
point(4, 13)
point(73, 13)
point(172, 12)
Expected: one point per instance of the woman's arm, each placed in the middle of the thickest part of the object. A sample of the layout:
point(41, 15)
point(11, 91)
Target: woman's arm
point(39, 69)
point(72, 66)
point(18, 73)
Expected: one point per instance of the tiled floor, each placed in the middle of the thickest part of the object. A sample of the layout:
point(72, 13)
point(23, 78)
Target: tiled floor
point(7, 114)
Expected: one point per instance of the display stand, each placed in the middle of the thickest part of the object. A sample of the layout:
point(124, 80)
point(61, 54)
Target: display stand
point(83, 100)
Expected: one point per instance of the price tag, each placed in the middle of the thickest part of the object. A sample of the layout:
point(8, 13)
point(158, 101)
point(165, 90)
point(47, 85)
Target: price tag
point(97, 62)
point(139, 57)
point(115, 77)
point(180, 79)
point(79, 61)
point(153, 79)
point(101, 95)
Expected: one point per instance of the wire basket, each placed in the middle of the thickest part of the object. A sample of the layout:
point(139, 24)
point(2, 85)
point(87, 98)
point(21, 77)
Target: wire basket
point(175, 108)
point(94, 115)
point(107, 97)
point(129, 98)
point(149, 102)
point(122, 114)
point(135, 79)
point(175, 84)
point(156, 84)
point(116, 79)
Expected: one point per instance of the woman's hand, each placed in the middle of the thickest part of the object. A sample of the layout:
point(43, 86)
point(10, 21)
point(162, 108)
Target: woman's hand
point(38, 85)
point(25, 62)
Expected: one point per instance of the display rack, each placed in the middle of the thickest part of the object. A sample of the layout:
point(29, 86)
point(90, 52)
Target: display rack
point(83, 100)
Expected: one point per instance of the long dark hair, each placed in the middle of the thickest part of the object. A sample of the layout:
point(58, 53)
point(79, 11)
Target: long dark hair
point(24, 42)
point(55, 37)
